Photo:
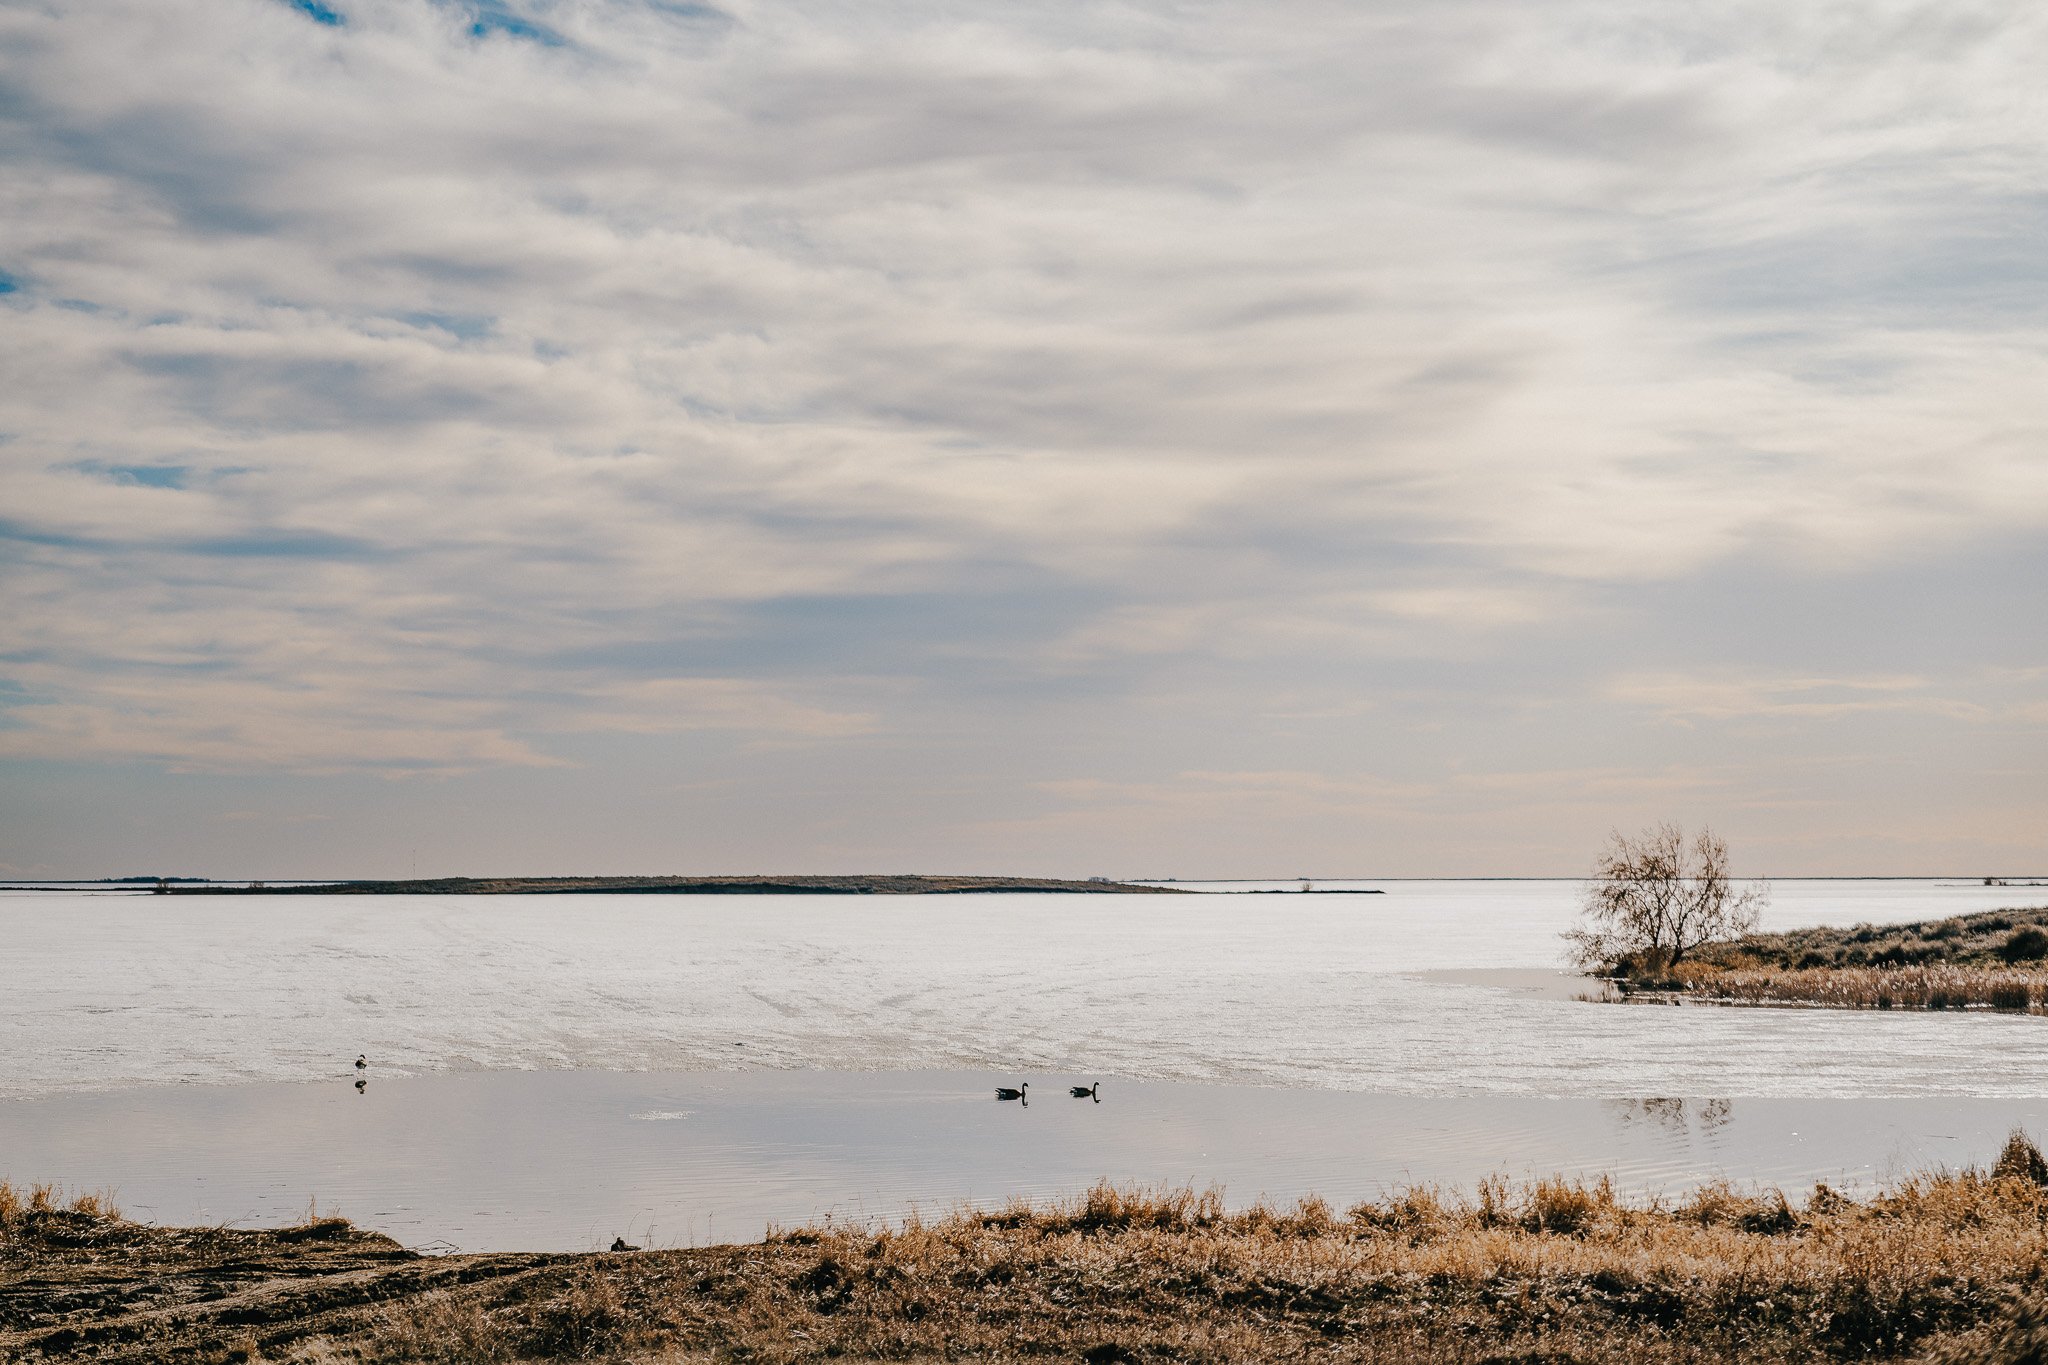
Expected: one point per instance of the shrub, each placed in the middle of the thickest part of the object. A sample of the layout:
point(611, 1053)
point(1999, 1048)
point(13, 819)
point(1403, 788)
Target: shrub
point(1568, 1206)
point(2024, 945)
point(2021, 1160)
point(1655, 897)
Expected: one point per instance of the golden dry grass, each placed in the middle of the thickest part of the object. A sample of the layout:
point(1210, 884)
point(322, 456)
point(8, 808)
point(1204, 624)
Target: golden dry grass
point(44, 1198)
point(1544, 1272)
point(1881, 988)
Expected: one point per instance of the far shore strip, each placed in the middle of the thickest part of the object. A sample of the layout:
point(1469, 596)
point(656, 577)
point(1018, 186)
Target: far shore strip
point(683, 886)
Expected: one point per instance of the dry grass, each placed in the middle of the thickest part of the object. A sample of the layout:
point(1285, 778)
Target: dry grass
point(1992, 938)
point(1551, 1271)
point(2017, 989)
point(42, 1198)
point(1997, 960)
point(1545, 1272)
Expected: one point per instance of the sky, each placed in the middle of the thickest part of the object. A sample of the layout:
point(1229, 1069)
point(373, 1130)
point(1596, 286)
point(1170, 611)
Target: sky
point(1159, 438)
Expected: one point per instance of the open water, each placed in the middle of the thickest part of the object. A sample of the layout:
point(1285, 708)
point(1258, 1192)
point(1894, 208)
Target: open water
point(548, 1071)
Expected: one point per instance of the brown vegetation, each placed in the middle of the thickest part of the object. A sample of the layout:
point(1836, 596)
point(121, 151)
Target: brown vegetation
point(1654, 897)
point(1553, 1271)
point(1994, 938)
point(1882, 988)
point(1996, 960)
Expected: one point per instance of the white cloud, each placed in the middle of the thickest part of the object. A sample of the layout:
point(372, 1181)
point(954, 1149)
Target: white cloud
point(768, 369)
point(1683, 697)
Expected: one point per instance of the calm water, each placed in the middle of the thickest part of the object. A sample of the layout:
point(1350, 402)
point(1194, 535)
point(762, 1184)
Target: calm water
point(569, 1159)
point(194, 1051)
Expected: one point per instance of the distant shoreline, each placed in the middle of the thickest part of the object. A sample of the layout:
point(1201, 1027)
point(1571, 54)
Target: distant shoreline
point(683, 886)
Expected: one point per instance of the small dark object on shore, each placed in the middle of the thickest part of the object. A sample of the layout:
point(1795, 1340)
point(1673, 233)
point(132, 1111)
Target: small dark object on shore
point(621, 1244)
point(362, 1061)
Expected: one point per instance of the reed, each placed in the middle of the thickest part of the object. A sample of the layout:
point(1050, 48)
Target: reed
point(1940, 987)
point(42, 1198)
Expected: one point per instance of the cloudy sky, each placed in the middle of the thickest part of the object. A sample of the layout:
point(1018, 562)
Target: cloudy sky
point(1167, 437)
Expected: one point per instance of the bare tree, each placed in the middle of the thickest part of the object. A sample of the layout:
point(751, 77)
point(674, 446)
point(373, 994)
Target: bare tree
point(1655, 897)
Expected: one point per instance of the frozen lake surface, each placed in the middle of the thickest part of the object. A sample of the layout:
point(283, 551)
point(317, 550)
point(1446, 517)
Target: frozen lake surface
point(1386, 993)
point(551, 1071)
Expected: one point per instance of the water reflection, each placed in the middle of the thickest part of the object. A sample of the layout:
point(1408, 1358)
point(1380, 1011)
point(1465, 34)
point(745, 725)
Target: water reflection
point(1673, 1114)
point(564, 1160)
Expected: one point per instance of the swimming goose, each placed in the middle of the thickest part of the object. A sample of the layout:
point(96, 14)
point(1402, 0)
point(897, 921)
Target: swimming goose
point(1086, 1092)
point(1004, 1092)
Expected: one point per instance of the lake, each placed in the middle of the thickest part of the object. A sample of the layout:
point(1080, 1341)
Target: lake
point(549, 1071)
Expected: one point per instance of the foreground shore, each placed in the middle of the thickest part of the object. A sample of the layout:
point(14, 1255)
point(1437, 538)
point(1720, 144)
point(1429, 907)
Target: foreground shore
point(1938, 1268)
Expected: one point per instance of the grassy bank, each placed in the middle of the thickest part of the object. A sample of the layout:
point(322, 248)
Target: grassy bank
point(1547, 1273)
point(1994, 960)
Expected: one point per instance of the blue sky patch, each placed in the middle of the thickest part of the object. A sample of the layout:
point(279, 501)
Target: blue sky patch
point(147, 475)
point(284, 545)
point(489, 17)
point(680, 9)
point(319, 13)
point(467, 326)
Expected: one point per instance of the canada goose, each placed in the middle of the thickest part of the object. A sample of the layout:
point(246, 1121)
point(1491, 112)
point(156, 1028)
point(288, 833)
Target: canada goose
point(1004, 1092)
point(1086, 1092)
point(621, 1244)
point(362, 1062)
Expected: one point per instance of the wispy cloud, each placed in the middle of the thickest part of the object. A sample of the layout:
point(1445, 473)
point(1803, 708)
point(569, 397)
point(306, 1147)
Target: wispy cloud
point(417, 385)
point(1682, 697)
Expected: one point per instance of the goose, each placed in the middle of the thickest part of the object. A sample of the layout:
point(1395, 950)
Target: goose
point(1086, 1092)
point(362, 1062)
point(621, 1244)
point(361, 1085)
point(1004, 1092)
